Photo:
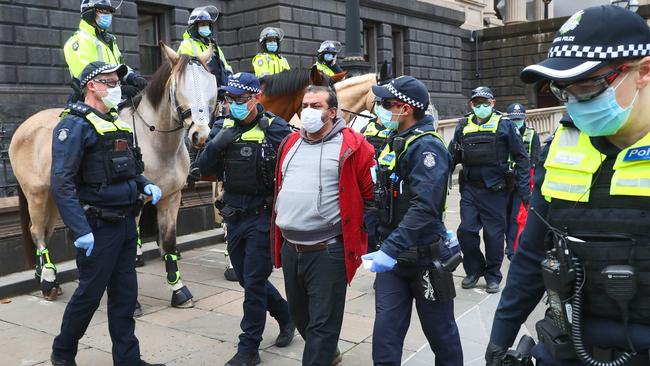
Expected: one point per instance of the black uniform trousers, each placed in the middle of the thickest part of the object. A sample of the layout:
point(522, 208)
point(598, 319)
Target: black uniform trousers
point(316, 284)
point(250, 255)
point(111, 268)
point(482, 208)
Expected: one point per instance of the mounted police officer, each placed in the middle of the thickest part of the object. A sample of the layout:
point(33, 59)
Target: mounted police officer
point(92, 42)
point(517, 114)
point(241, 152)
point(588, 226)
point(484, 142)
point(198, 38)
point(269, 61)
point(410, 193)
point(326, 62)
point(96, 181)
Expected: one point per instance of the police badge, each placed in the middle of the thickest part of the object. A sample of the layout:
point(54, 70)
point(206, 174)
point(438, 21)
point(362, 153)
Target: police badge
point(429, 159)
point(63, 134)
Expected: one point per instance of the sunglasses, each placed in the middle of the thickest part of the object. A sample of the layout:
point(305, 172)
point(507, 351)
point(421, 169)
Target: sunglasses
point(239, 100)
point(387, 104)
point(587, 89)
point(108, 82)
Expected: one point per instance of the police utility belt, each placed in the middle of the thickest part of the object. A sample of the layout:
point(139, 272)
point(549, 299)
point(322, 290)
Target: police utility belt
point(112, 214)
point(236, 213)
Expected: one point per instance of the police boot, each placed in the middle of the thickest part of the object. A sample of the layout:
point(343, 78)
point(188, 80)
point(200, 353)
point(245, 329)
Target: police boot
point(244, 359)
point(56, 361)
point(338, 357)
point(46, 274)
point(181, 295)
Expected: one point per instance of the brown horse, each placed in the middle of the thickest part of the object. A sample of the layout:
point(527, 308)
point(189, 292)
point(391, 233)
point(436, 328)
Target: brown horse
point(181, 96)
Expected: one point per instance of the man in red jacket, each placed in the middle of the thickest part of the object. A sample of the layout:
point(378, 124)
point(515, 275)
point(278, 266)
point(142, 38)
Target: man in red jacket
point(323, 181)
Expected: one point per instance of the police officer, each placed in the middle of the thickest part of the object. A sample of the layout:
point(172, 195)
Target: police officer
point(92, 42)
point(483, 142)
point(517, 114)
point(197, 38)
point(269, 61)
point(411, 190)
point(326, 62)
point(588, 227)
point(96, 178)
point(241, 152)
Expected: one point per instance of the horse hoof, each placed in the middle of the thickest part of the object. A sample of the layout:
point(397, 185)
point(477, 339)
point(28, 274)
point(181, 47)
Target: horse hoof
point(50, 290)
point(139, 261)
point(182, 298)
point(230, 275)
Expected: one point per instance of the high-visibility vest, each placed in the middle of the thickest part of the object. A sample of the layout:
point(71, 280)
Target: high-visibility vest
point(83, 47)
point(269, 64)
point(194, 47)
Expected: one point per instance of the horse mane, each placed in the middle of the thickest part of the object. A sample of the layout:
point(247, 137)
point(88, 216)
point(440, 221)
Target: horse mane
point(157, 86)
point(355, 80)
point(285, 82)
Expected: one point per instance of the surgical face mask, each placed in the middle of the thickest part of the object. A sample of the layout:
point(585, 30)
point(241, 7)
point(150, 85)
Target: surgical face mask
point(518, 122)
point(601, 116)
point(113, 97)
point(272, 46)
point(205, 30)
point(312, 119)
point(239, 111)
point(385, 117)
point(482, 111)
point(328, 57)
point(104, 21)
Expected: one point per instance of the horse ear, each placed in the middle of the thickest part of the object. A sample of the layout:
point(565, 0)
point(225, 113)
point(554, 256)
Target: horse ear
point(315, 76)
point(205, 56)
point(171, 55)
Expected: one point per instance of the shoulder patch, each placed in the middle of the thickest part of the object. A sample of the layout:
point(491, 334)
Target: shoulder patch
point(638, 153)
point(63, 134)
point(75, 45)
point(429, 159)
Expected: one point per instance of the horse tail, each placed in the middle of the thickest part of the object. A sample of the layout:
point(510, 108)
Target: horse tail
point(28, 241)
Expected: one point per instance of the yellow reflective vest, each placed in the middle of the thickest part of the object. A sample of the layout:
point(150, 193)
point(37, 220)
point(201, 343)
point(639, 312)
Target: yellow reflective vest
point(194, 47)
point(83, 47)
point(269, 64)
point(572, 161)
point(324, 69)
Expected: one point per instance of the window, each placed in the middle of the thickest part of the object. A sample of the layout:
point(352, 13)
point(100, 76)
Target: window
point(152, 26)
point(398, 53)
point(370, 45)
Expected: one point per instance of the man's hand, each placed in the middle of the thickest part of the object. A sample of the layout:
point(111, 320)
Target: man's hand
point(381, 262)
point(86, 242)
point(494, 354)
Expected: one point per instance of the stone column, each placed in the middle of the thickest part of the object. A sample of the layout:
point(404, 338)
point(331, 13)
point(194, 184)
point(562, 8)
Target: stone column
point(489, 15)
point(515, 12)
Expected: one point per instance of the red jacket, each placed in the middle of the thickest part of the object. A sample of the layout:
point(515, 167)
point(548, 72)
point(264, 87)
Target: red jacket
point(355, 188)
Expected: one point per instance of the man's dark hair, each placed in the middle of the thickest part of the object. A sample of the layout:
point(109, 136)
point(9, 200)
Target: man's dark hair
point(332, 101)
point(418, 114)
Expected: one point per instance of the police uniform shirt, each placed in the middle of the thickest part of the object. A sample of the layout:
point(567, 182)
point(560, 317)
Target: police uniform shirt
point(425, 167)
point(211, 162)
point(71, 137)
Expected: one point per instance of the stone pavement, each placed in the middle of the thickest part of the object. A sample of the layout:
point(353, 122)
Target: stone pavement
point(207, 334)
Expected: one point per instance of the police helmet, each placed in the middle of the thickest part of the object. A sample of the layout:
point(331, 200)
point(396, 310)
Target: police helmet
point(270, 32)
point(203, 14)
point(88, 5)
point(329, 47)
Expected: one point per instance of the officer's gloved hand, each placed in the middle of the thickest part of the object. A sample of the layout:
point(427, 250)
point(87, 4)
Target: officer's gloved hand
point(225, 137)
point(86, 242)
point(129, 91)
point(137, 81)
point(381, 262)
point(153, 191)
point(494, 354)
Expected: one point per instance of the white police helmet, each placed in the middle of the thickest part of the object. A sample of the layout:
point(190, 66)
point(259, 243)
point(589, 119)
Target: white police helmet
point(270, 32)
point(330, 46)
point(208, 13)
point(98, 4)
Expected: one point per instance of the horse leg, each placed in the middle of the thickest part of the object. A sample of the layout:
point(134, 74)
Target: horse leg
point(42, 213)
point(167, 210)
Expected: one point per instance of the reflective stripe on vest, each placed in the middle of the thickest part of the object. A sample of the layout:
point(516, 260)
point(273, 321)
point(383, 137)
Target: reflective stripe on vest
point(255, 134)
point(324, 69)
point(269, 64)
point(387, 156)
point(373, 131)
point(103, 126)
point(573, 160)
point(529, 133)
point(490, 126)
point(99, 48)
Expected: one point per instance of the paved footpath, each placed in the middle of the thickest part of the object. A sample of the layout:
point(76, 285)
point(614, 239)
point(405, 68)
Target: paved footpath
point(207, 334)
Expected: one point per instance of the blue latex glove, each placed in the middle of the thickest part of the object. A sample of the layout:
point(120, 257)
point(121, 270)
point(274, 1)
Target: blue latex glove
point(153, 191)
point(86, 242)
point(381, 262)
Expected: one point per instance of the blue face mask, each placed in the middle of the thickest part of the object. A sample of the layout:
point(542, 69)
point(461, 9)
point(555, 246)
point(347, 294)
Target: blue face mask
point(239, 111)
point(328, 57)
point(518, 122)
point(482, 111)
point(385, 116)
point(205, 31)
point(104, 21)
point(601, 116)
point(272, 46)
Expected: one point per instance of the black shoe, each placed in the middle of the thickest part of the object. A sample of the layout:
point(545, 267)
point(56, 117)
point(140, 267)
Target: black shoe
point(338, 358)
point(145, 363)
point(139, 261)
point(286, 335)
point(244, 359)
point(230, 275)
point(470, 281)
point(492, 288)
point(60, 362)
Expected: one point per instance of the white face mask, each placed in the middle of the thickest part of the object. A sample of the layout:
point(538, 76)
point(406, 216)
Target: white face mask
point(113, 98)
point(312, 120)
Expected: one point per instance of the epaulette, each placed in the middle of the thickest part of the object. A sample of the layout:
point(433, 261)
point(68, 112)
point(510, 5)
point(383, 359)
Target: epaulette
point(77, 108)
